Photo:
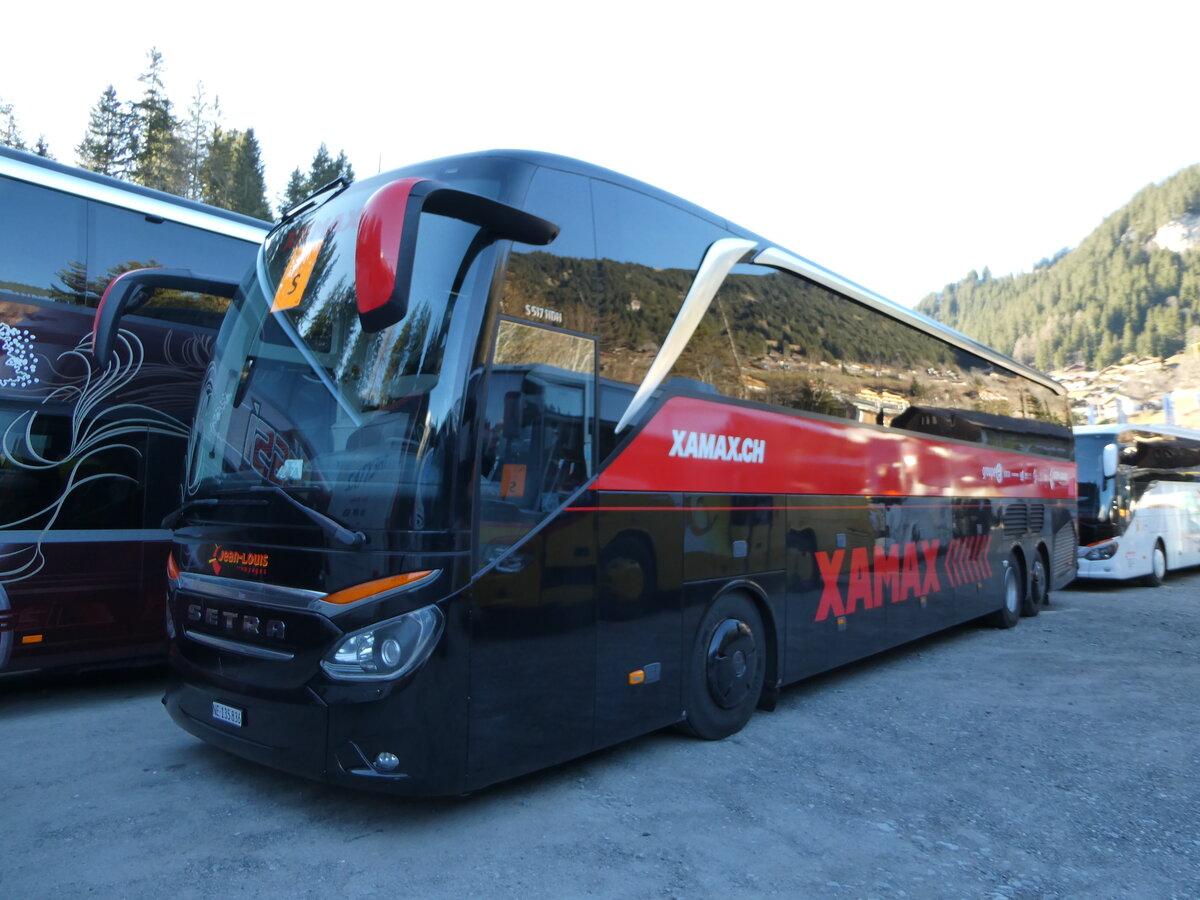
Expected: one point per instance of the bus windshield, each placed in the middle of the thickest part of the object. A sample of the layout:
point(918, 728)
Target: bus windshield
point(353, 423)
point(1095, 491)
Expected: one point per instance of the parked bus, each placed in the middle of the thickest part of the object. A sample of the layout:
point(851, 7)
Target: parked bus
point(91, 456)
point(1139, 501)
point(503, 458)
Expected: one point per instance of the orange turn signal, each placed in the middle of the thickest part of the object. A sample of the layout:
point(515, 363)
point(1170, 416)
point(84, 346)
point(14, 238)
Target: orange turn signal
point(371, 588)
point(172, 569)
point(31, 639)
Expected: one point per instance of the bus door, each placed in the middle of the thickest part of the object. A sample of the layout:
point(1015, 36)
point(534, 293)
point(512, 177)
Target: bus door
point(533, 610)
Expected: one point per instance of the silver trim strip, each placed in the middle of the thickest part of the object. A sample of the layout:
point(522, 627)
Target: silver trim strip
point(776, 258)
point(150, 206)
point(235, 647)
point(84, 535)
point(719, 260)
point(247, 592)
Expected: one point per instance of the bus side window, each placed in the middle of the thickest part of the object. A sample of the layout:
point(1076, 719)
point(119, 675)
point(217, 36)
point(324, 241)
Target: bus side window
point(123, 240)
point(47, 232)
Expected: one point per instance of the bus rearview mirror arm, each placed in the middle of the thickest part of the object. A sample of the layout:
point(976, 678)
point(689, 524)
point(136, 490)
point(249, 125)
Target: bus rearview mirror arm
point(132, 289)
point(1109, 459)
point(386, 240)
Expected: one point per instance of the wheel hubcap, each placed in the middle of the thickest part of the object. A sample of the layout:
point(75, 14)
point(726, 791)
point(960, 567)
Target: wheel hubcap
point(1039, 581)
point(1012, 598)
point(732, 657)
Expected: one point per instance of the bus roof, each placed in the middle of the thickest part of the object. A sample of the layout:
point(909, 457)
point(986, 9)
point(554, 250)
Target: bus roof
point(47, 173)
point(1171, 431)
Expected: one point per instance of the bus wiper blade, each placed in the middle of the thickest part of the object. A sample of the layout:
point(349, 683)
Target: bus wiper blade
point(334, 529)
point(172, 518)
point(318, 197)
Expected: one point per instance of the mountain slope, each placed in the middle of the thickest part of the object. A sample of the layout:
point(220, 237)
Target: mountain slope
point(1131, 287)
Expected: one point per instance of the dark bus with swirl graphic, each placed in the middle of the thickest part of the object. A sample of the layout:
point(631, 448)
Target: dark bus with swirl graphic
point(503, 458)
point(91, 456)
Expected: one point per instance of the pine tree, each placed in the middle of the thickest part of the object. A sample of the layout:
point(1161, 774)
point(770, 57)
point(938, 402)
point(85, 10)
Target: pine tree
point(10, 134)
point(296, 190)
point(159, 150)
point(42, 149)
point(216, 177)
point(109, 145)
point(248, 187)
point(323, 170)
point(194, 142)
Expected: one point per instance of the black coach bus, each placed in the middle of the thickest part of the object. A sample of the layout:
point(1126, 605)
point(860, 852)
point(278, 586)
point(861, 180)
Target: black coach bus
point(504, 457)
point(91, 453)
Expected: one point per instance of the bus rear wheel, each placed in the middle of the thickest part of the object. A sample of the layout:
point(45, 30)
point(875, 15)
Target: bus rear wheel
point(1158, 566)
point(726, 669)
point(1038, 595)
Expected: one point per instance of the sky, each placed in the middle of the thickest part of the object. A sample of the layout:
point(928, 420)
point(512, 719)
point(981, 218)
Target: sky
point(899, 144)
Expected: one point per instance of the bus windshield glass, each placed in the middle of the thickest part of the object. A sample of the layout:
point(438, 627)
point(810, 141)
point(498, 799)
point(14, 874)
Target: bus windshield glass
point(1095, 491)
point(353, 423)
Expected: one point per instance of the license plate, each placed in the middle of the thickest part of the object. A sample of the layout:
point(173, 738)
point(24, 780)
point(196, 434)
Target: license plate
point(231, 715)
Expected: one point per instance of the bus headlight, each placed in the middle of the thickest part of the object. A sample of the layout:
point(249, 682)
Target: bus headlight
point(386, 650)
point(1103, 550)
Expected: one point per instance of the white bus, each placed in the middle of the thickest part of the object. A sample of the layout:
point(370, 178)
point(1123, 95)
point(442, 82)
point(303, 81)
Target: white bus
point(1139, 500)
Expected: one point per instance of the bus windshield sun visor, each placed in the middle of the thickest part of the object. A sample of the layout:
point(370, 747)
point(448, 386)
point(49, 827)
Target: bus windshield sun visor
point(129, 290)
point(387, 239)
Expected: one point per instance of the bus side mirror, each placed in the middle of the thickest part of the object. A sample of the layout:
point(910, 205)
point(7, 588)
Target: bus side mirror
point(129, 290)
point(386, 241)
point(1109, 460)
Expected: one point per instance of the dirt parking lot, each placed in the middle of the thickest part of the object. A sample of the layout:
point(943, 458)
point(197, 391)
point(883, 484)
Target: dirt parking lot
point(1059, 759)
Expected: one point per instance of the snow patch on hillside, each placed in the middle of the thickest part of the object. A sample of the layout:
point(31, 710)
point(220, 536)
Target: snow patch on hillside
point(1179, 234)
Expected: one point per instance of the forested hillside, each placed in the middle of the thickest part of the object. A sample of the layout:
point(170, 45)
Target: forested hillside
point(1132, 287)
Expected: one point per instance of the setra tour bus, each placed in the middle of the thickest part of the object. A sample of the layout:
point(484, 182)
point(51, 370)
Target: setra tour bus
point(504, 457)
point(1139, 500)
point(91, 456)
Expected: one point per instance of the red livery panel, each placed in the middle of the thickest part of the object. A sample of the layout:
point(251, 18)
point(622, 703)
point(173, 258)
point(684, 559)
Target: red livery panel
point(696, 446)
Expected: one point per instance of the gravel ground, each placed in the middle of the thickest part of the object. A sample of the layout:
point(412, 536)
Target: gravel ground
point(1058, 759)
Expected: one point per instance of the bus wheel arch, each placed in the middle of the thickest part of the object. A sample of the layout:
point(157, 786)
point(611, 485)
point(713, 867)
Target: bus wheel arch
point(727, 665)
point(1037, 587)
point(1158, 565)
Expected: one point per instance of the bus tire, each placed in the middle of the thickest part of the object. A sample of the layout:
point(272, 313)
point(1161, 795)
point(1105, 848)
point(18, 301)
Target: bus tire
point(1013, 595)
point(1038, 594)
point(1158, 566)
point(726, 669)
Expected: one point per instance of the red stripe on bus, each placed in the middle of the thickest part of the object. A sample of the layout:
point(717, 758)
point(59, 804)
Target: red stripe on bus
point(699, 446)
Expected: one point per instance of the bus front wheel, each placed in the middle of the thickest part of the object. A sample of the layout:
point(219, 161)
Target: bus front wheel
point(1014, 596)
point(726, 669)
point(1158, 566)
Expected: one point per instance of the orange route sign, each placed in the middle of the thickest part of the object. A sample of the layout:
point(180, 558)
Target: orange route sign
point(295, 277)
point(512, 481)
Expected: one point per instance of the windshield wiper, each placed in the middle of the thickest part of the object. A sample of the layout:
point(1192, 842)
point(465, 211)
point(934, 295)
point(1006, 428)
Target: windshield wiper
point(172, 518)
point(332, 528)
point(318, 197)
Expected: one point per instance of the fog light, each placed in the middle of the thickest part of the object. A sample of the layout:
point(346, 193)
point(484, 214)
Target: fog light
point(386, 762)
